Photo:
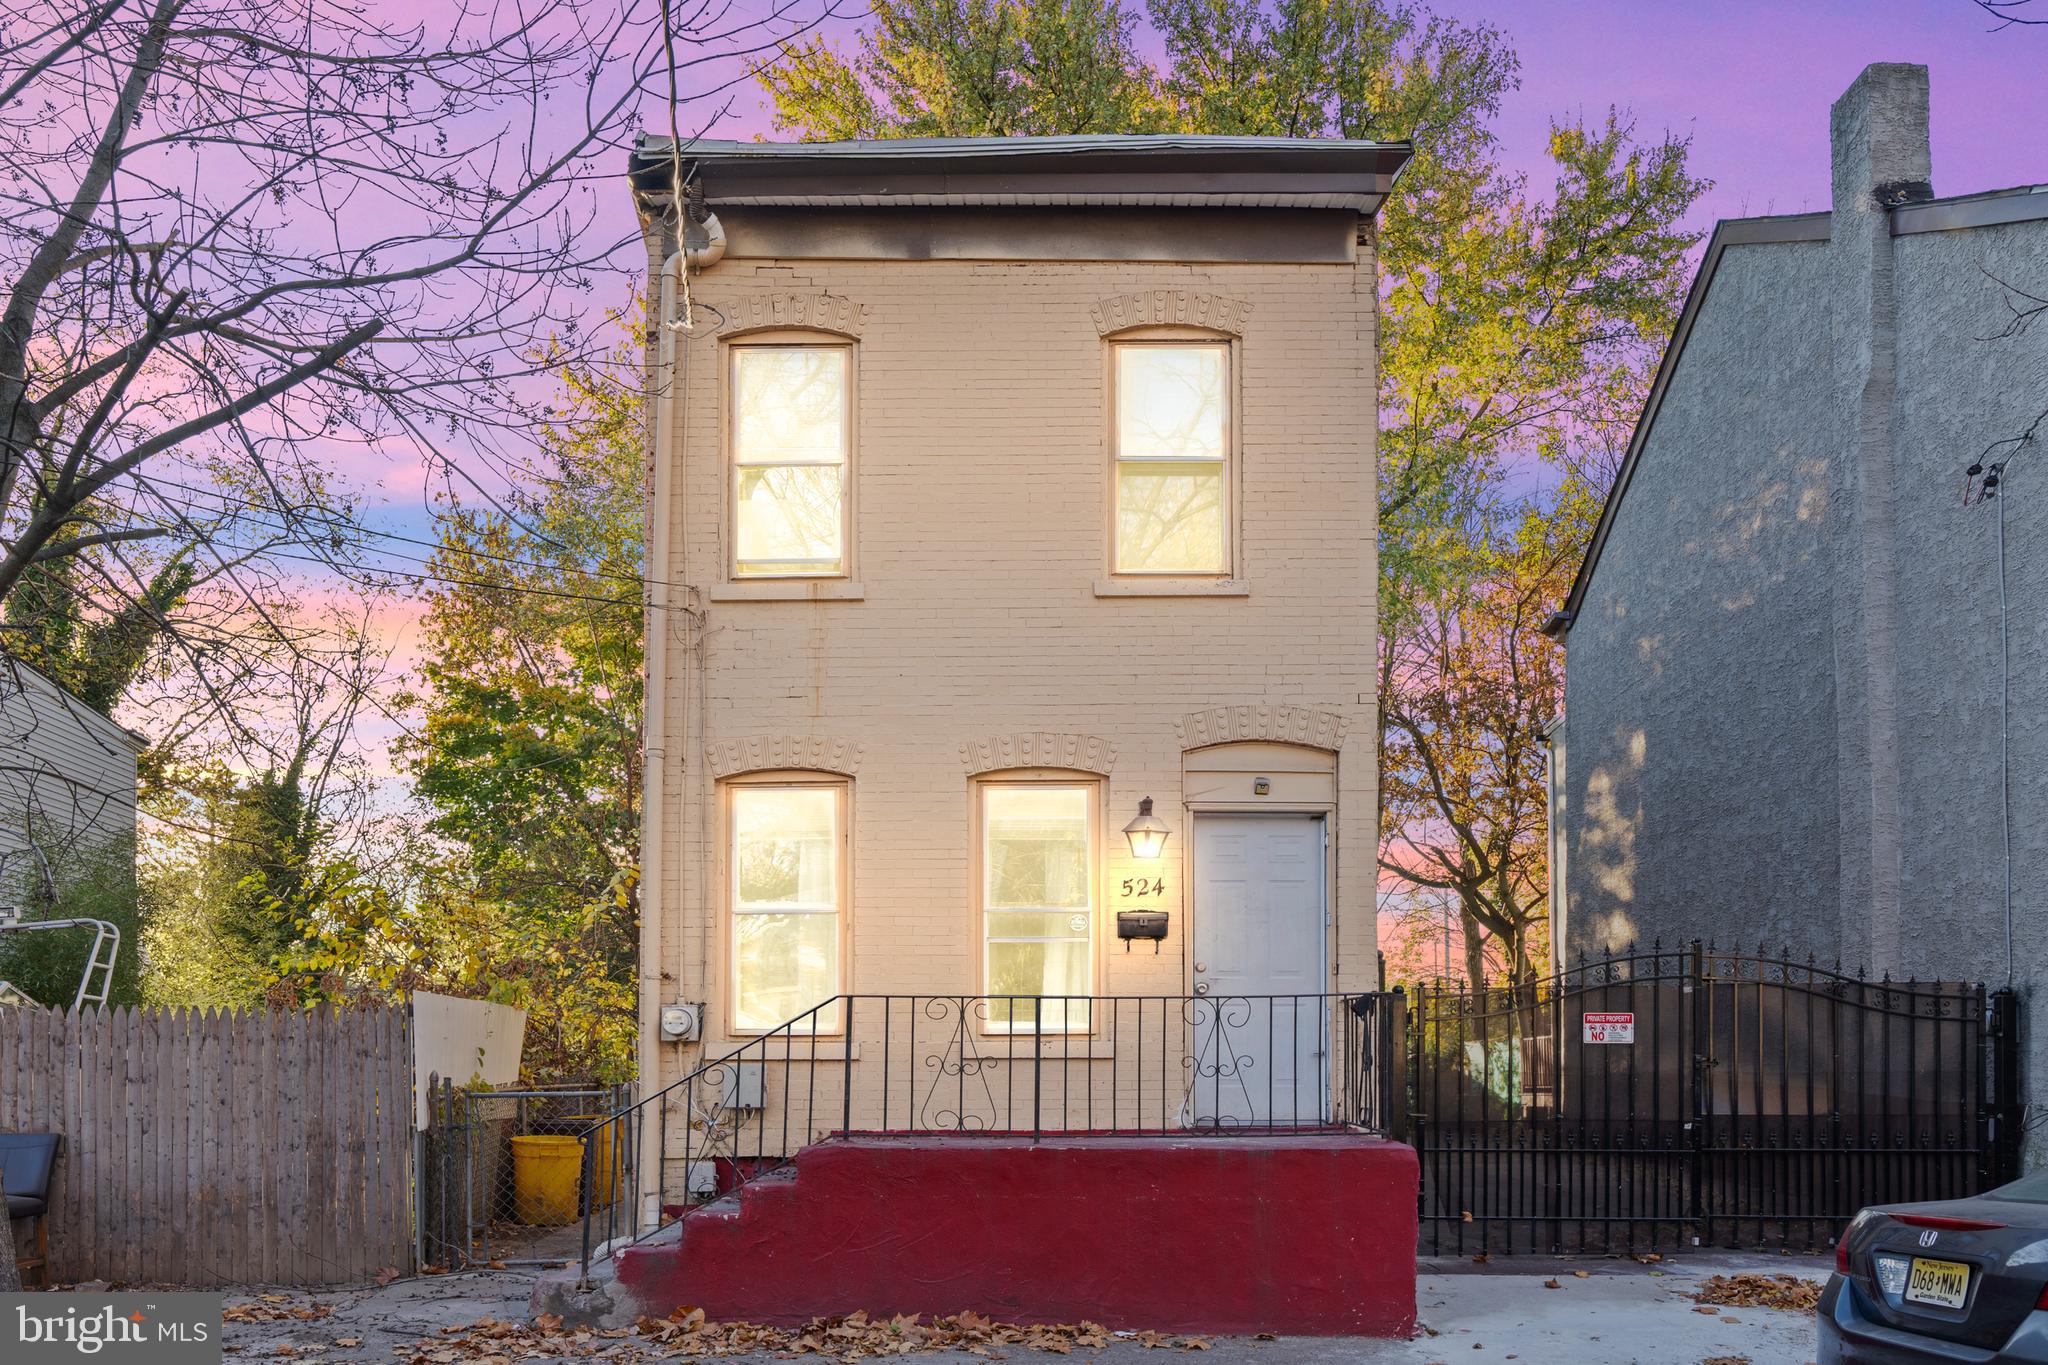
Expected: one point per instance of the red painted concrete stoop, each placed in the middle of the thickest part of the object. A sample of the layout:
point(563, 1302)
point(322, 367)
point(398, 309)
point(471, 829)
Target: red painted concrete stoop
point(1310, 1234)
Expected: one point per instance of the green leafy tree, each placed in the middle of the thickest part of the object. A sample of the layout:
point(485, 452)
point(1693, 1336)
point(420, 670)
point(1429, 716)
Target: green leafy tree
point(1517, 332)
point(93, 654)
point(528, 758)
point(971, 68)
point(253, 835)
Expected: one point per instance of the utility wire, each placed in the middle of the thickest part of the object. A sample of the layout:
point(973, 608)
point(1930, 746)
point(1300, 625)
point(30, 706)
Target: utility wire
point(352, 528)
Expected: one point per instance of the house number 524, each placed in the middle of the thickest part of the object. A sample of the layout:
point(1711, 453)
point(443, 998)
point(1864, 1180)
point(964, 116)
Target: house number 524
point(1134, 887)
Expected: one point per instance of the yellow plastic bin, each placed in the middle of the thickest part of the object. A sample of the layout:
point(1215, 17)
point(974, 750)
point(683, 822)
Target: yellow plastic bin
point(545, 1172)
point(601, 1158)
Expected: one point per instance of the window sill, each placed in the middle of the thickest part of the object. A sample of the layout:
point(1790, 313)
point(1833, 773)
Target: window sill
point(790, 590)
point(1173, 587)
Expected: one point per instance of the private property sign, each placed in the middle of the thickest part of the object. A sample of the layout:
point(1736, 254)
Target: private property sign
point(1609, 1028)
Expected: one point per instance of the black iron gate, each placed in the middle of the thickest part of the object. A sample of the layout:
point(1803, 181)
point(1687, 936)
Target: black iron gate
point(1666, 1099)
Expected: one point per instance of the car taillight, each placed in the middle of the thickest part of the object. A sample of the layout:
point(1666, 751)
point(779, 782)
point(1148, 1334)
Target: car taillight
point(1856, 1225)
point(2042, 1302)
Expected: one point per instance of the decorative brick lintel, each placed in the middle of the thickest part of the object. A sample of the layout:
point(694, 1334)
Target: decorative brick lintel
point(764, 753)
point(820, 312)
point(1084, 753)
point(1273, 724)
point(1171, 308)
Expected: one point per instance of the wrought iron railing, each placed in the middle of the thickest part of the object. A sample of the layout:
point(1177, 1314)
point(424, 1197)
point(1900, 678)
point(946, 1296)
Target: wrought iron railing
point(1032, 1066)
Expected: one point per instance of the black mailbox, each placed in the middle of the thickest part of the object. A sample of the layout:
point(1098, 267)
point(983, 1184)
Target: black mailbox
point(1132, 924)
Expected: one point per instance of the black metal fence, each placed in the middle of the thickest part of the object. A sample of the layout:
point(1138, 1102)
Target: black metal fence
point(1033, 1066)
point(1664, 1099)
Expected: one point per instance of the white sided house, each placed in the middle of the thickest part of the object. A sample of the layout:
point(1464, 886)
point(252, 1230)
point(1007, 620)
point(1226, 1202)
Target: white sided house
point(67, 783)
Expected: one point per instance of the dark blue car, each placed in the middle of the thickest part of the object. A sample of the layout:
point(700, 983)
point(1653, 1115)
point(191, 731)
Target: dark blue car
point(1960, 1280)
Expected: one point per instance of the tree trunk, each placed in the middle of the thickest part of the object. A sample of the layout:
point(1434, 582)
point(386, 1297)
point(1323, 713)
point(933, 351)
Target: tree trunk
point(1475, 950)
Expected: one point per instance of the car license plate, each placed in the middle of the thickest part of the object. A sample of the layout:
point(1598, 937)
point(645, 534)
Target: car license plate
point(1945, 1283)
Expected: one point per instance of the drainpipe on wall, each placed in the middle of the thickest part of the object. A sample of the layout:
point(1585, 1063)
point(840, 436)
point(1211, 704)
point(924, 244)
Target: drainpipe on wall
point(665, 383)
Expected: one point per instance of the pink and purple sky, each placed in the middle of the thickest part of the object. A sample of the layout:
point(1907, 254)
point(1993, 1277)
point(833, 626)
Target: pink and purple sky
point(1749, 81)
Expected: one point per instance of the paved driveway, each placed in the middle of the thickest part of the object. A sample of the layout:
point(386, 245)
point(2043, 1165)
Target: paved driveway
point(1620, 1312)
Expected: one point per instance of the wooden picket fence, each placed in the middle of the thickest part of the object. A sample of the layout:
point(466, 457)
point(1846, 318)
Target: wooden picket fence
point(212, 1147)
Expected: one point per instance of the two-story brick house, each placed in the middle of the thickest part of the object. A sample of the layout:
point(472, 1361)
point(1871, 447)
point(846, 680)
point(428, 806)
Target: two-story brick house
point(1001, 487)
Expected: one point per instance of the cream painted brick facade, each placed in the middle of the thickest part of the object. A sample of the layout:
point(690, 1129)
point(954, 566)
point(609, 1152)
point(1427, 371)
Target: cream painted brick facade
point(980, 476)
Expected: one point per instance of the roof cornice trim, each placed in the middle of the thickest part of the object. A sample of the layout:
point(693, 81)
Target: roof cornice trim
point(1170, 171)
point(1780, 231)
point(1973, 211)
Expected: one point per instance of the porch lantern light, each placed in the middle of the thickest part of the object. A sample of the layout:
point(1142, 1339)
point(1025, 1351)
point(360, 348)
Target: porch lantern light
point(1147, 833)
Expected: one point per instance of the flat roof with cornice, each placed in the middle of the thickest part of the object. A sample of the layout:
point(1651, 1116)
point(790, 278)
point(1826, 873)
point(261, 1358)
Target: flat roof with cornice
point(1167, 170)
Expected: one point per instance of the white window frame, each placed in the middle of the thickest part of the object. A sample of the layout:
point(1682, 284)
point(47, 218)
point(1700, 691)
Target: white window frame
point(783, 340)
point(1173, 338)
point(1092, 784)
point(843, 819)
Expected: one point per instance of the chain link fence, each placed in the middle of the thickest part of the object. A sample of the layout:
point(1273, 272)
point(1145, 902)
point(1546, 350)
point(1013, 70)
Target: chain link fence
point(502, 1173)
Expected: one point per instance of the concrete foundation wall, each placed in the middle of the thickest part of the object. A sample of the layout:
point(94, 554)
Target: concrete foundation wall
point(1304, 1235)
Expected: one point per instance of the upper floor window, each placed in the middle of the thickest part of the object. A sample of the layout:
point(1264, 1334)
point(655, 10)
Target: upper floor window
point(1172, 449)
point(788, 894)
point(792, 438)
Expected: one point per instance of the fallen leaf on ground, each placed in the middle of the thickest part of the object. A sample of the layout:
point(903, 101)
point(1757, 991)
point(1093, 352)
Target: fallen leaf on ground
point(1552, 1284)
point(1759, 1291)
point(275, 1308)
point(687, 1333)
point(1581, 1274)
point(348, 1341)
point(387, 1275)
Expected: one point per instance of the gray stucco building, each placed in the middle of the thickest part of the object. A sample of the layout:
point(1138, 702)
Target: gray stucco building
point(1787, 710)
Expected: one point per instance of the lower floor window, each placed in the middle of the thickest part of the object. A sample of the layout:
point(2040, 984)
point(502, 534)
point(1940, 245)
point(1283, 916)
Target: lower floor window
point(1037, 892)
point(787, 896)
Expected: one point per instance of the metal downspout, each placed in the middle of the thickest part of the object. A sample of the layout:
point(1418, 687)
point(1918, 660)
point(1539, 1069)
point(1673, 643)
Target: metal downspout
point(664, 395)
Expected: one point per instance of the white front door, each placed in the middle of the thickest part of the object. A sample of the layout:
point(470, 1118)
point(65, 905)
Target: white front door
point(1260, 1021)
